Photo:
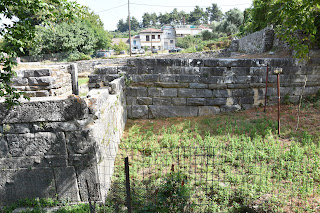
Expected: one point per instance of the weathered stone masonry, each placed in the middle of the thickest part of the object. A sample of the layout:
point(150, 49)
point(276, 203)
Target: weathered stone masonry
point(195, 87)
point(51, 146)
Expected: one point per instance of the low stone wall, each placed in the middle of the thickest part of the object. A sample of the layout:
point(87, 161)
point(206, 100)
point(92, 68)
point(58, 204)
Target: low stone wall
point(49, 81)
point(51, 146)
point(258, 42)
point(196, 87)
point(89, 66)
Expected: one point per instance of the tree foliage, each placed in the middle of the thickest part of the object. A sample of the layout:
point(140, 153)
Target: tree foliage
point(119, 47)
point(84, 35)
point(25, 16)
point(175, 17)
point(230, 23)
point(287, 17)
point(124, 26)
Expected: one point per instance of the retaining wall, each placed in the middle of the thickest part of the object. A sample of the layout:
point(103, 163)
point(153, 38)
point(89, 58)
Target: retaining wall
point(197, 87)
point(51, 146)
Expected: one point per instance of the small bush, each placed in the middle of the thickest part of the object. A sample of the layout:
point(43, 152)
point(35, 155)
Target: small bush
point(77, 56)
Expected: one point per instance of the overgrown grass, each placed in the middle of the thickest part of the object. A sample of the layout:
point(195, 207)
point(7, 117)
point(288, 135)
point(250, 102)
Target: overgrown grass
point(83, 81)
point(225, 164)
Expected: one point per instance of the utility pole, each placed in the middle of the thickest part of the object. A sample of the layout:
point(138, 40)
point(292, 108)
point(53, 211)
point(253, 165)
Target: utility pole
point(129, 27)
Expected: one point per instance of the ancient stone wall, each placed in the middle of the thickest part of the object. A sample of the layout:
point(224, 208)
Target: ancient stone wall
point(258, 42)
point(195, 87)
point(49, 81)
point(51, 146)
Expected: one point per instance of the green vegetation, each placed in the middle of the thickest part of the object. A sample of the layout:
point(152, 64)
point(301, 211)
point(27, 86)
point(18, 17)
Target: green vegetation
point(19, 35)
point(38, 206)
point(224, 163)
point(120, 47)
point(83, 81)
point(287, 17)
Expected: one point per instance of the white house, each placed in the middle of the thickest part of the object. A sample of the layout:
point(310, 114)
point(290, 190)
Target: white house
point(184, 30)
point(151, 38)
point(169, 37)
point(135, 42)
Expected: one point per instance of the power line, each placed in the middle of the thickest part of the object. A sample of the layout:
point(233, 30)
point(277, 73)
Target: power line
point(112, 8)
point(154, 5)
point(172, 6)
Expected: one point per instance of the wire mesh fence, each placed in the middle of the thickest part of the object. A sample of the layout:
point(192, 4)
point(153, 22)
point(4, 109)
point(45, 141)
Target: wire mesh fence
point(215, 179)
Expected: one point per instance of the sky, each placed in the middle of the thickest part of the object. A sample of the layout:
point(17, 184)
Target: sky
point(111, 11)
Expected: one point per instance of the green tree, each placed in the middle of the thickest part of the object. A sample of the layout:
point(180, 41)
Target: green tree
point(119, 47)
point(146, 20)
point(231, 22)
point(65, 37)
point(206, 35)
point(25, 15)
point(124, 26)
point(198, 16)
point(135, 26)
point(287, 17)
point(164, 18)
point(154, 19)
point(214, 13)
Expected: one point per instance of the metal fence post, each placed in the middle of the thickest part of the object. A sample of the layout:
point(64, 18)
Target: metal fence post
point(126, 165)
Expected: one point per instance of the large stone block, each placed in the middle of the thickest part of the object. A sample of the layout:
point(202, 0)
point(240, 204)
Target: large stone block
point(67, 186)
point(216, 101)
point(172, 84)
point(26, 183)
point(162, 101)
point(145, 78)
point(173, 111)
point(81, 142)
point(198, 86)
point(194, 93)
point(42, 72)
point(19, 81)
point(37, 144)
point(169, 92)
point(180, 78)
point(30, 162)
point(139, 111)
point(137, 92)
point(196, 101)
point(260, 71)
point(88, 174)
point(220, 93)
point(144, 100)
point(213, 71)
point(208, 110)
point(43, 81)
point(3, 147)
point(240, 71)
point(179, 101)
point(231, 108)
point(154, 92)
point(68, 126)
point(45, 110)
point(16, 128)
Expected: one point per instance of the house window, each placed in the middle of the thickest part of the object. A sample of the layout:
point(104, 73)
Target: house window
point(147, 38)
point(171, 41)
point(158, 36)
point(153, 36)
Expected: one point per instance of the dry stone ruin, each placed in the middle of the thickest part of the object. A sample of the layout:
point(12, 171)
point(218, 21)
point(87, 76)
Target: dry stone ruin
point(56, 143)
